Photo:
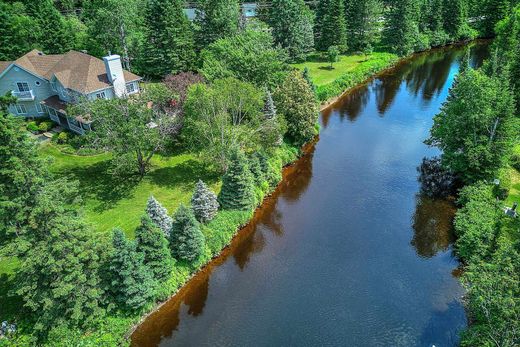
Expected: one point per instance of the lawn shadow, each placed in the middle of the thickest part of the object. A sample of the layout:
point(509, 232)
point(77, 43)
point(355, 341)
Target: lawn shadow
point(328, 68)
point(184, 175)
point(96, 182)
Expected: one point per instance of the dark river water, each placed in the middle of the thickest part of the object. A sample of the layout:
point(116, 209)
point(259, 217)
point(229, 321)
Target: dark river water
point(345, 253)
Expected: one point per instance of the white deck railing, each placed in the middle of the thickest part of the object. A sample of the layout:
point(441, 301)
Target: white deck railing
point(24, 96)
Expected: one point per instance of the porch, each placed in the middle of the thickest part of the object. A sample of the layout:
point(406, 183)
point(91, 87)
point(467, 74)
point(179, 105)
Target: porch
point(56, 109)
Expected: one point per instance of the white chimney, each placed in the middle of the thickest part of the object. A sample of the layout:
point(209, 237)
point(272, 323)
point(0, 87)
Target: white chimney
point(115, 74)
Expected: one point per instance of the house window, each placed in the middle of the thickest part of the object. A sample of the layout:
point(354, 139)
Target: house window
point(130, 88)
point(101, 95)
point(20, 109)
point(22, 86)
point(39, 108)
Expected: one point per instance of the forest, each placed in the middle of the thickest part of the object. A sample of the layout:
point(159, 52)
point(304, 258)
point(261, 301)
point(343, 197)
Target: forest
point(230, 107)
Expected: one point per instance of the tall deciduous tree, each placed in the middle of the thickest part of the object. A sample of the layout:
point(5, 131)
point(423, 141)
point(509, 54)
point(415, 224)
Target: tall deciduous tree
point(154, 246)
point(204, 203)
point(363, 23)
point(216, 19)
point(114, 26)
point(476, 126)
point(402, 27)
point(159, 215)
point(130, 281)
point(169, 43)
point(296, 102)
point(237, 191)
point(186, 238)
point(292, 24)
point(331, 27)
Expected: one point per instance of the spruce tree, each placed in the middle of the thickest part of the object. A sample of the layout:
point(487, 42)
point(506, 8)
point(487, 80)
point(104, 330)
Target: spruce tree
point(204, 203)
point(402, 28)
point(292, 25)
point(269, 107)
point(154, 246)
point(186, 238)
point(159, 215)
point(255, 166)
point(237, 191)
point(456, 19)
point(363, 23)
point(331, 27)
point(169, 42)
point(216, 19)
point(131, 282)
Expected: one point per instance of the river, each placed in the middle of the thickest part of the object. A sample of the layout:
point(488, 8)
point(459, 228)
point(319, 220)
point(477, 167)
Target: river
point(345, 253)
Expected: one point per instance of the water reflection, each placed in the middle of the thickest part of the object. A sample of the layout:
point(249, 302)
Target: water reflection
point(432, 225)
point(355, 103)
point(386, 89)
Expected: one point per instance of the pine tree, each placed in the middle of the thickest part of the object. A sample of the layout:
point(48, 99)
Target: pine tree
point(292, 25)
point(159, 215)
point(131, 282)
point(154, 246)
point(169, 42)
point(237, 191)
point(204, 203)
point(216, 19)
point(297, 104)
point(255, 166)
point(363, 23)
point(456, 18)
point(186, 238)
point(402, 28)
point(492, 12)
point(331, 26)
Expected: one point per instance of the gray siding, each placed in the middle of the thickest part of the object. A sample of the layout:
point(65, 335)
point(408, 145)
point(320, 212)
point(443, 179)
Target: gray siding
point(41, 92)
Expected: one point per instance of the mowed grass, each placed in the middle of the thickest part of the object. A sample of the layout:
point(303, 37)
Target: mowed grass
point(111, 202)
point(319, 67)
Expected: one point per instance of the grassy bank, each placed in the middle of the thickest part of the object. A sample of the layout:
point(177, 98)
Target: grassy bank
point(349, 71)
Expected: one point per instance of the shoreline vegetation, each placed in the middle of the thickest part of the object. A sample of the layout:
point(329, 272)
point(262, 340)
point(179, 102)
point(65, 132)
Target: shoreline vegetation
point(87, 246)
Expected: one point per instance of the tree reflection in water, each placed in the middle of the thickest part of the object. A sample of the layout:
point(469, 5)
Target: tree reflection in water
point(432, 225)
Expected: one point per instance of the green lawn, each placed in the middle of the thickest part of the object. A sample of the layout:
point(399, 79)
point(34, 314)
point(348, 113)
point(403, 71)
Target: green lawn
point(111, 202)
point(321, 73)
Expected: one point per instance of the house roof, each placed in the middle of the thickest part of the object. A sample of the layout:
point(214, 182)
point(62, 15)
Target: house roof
point(4, 65)
point(75, 70)
point(55, 103)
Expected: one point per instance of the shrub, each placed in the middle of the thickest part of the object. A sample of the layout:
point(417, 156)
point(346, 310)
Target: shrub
point(32, 127)
point(45, 126)
point(62, 137)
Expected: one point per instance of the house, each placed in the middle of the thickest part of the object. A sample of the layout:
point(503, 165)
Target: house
point(45, 84)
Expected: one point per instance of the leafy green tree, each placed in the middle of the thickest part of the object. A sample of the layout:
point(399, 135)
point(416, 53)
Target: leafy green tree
point(296, 102)
point(364, 23)
point(216, 19)
point(402, 27)
point(249, 56)
point(51, 29)
point(204, 203)
point(456, 20)
point(292, 25)
point(169, 42)
point(307, 77)
point(475, 127)
point(153, 244)
point(17, 34)
point(186, 238)
point(59, 279)
point(114, 26)
point(223, 116)
point(477, 222)
point(331, 27)
point(493, 289)
point(332, 55)
point(130, 281)
point(237, 191)
point(130, 128)
point(159, 215)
